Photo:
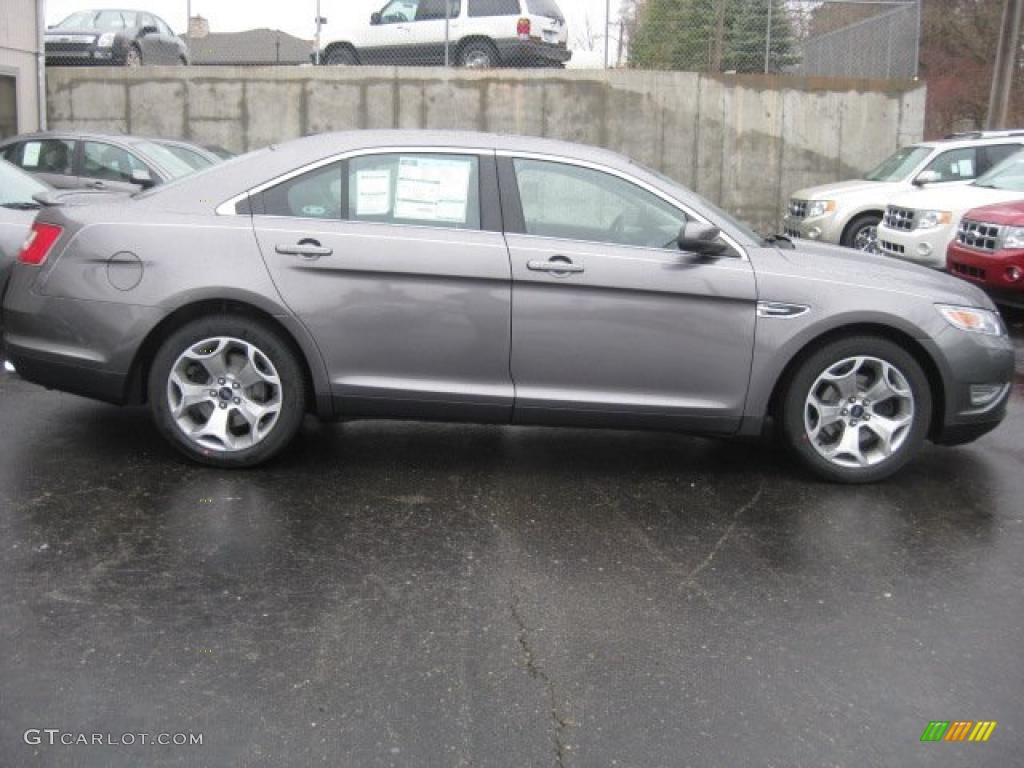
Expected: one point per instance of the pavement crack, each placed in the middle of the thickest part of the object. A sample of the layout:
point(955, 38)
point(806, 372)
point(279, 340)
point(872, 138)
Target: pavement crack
point(691, 577)
point(561, 723)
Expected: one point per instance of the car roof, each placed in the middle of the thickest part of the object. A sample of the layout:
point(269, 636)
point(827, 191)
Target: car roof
point(953, 142)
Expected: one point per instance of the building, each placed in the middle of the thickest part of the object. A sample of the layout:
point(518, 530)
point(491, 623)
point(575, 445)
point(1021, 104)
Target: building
point(22, 101)
point(253, 46)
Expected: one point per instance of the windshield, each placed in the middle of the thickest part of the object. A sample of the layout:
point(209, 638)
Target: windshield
point(898, 165)
point(170, 162)
point(546, 8)
point(195, 160)
point(94, 20)
point(1008, 175)
point(16, 187)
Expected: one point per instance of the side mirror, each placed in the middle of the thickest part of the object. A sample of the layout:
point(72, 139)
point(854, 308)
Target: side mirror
point(375, 17)
point(926, 177)
point(148, 30)
point(703, 239)
point(142, 177)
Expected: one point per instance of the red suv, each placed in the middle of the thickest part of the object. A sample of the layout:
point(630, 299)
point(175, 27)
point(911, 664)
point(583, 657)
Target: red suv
point(989, 250)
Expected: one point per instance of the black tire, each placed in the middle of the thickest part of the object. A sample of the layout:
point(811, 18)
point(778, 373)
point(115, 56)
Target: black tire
point(798, 390)
point(341, 57)
point(290, 373)
point(478, 54)
point(864, 229)
point(133, 57)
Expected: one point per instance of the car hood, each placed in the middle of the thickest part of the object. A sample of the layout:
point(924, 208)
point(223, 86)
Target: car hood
point(842, 189)
point(59, 31)
point(876, 272)
point(1011, 214)
point(957, 199)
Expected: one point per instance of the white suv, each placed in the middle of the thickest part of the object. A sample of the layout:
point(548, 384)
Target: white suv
point(481, 33)
point(920, 226)
point(848, 213)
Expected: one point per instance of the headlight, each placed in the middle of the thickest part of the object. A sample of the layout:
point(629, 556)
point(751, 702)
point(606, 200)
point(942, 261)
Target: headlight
point(972, 320)
point(820, 207)
point(1013, 238)
point(931, 219)
point(106, 40)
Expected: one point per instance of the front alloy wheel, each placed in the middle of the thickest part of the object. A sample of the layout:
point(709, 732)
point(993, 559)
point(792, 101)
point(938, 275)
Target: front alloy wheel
point(857, 409)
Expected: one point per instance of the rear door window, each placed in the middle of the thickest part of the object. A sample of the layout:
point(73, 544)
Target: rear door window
point(315, 194)
point(993, 154)
point(48, 156)
point(431, 10)
point(493, 7)
point(438, 190)
point(547, 8)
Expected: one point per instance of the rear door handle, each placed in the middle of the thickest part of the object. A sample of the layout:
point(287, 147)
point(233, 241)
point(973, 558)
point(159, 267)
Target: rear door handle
point(557, 265)
point(306, 250)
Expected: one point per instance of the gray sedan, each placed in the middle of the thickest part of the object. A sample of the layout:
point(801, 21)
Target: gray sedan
point(491, 279)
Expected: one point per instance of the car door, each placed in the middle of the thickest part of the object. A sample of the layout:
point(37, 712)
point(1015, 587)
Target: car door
point(149, 40)
point(51, 160)
point(389, 40)
point(108, 166)
point(426, 33)
point(611, 323)
point(396, 264)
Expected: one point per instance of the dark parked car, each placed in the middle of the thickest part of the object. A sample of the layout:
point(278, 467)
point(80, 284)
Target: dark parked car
point(71, 160)
point(494, 279)
point(113, 37)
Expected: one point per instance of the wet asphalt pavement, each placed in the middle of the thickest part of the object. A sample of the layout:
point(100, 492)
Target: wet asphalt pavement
point(392, 594)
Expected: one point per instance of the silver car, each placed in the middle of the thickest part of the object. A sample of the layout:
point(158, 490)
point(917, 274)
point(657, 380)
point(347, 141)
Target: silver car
point(485, 278)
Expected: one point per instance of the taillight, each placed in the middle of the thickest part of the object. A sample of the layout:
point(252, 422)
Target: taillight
point(38, 244)
point(523, 29)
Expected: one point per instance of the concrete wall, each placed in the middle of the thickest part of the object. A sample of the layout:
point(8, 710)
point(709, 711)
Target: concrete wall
point(745, 142)
point(19, 45)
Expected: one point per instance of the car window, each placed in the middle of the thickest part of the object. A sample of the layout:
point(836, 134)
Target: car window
point(426, 189)
point(109, 20)
point(17, 186)
point(574, 203)
point(192, 158)
point(955, 165)
point(547, 8)
point(898, 165)
point(493, 7)
point(10, 152)
point(993, 154)
point(109, 163)
point(1008, 175)
point(164, 29)
point(430, 10)
point(399, 11)
point(145, 20)
point(130, 18)
point(48, 156)
point(312, 195)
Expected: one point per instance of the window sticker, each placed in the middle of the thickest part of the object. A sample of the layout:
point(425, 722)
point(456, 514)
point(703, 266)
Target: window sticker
point(31, 157)
point(373, 192)
point(433, 189)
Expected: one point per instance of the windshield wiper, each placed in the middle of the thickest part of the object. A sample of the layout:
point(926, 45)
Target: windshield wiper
point(21, 206)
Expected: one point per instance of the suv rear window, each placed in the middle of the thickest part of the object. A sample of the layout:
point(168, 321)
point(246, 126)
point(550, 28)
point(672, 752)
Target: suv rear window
point(545, 8)
point(493, 7)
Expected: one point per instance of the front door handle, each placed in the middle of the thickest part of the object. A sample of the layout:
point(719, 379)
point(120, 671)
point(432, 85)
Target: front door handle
point(558, 265)
point(305, 249)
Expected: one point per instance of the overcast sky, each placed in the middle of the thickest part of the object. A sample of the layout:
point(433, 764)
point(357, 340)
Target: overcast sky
point(297, 16)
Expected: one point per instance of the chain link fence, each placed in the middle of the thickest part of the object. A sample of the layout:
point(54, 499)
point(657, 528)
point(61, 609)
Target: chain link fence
point(876, 39)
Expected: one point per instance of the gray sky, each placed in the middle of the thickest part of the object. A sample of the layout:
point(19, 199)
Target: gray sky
point(296, 16)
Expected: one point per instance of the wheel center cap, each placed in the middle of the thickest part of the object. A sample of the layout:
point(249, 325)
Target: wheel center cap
point(225, 393)
point(857, 411)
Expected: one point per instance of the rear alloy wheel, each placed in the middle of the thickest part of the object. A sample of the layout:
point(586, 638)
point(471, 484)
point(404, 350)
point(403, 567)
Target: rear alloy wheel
point(478, 55)
point(863, 234)
point(133, 57)
point(858, 409)
point(227, 391)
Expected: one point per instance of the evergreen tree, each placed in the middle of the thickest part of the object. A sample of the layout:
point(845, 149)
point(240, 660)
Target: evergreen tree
point(751, 42)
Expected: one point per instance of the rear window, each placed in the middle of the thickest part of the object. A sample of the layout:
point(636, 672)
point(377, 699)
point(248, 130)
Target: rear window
point(545, 8)
point(493, 7)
